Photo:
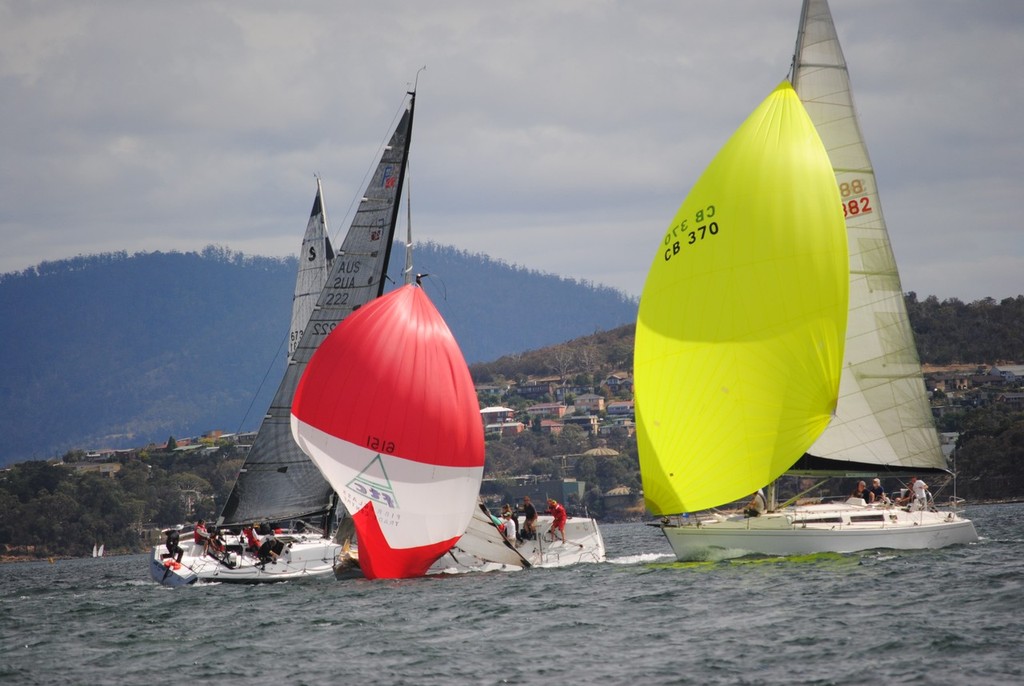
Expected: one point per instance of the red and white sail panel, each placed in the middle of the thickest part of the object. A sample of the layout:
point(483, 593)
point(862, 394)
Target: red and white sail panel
point(388, 412)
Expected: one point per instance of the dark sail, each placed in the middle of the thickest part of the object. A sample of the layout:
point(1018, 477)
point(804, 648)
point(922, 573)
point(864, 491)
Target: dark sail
point(277, 481)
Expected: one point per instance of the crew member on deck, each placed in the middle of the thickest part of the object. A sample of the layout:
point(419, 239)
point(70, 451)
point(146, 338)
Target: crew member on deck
point(876, 494)
point(173, 549)
point(529, 519)
point(201, 536)
point(757, 504)
point(558, 516)
point(252, 542)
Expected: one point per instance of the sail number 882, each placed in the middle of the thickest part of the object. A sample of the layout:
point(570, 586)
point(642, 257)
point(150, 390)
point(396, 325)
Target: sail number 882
point(679, 235)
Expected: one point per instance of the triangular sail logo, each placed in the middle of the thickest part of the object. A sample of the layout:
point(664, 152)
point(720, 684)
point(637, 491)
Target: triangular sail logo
point(373, 483)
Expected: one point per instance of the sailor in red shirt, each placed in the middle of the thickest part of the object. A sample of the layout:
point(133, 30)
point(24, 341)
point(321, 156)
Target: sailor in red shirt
point(558, 514)
point(201, 535)
point(251, 540)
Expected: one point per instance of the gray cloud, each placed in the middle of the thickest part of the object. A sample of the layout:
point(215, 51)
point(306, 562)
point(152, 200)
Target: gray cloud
point(560, 136)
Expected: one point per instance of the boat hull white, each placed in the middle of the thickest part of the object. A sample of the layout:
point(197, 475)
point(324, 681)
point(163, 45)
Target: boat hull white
point(304, 556)
point(809, 529)
point(584, 543)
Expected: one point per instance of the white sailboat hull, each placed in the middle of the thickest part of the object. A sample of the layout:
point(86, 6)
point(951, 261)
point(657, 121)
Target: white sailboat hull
point(839, 528)
point(304, 556)
point(584, 543)
point(483, 549)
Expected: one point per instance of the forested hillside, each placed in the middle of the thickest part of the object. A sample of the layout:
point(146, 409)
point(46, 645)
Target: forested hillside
point(115, 351)
point(48, 509)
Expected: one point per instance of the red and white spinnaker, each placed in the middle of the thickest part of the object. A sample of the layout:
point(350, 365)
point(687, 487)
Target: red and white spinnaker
point(388, 412)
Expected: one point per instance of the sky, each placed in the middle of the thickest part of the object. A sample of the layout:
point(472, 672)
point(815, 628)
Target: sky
point(559, 136)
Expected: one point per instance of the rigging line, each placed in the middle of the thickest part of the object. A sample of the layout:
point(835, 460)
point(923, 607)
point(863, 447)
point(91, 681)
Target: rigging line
point(357, 198)
point(259, 388)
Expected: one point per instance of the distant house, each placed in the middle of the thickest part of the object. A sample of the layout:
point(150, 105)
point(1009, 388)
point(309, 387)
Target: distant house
point(555, 410)
point(1011, 373)
point(587, 422)
point(949, 382)
point(563, 392)
point(620, 425)
point(1013, 400)
point(551, 426)
point(590, 402)
point(497, 415)
point(501, 421)
point(535, 389)
point(618, 382)
point(621, 408)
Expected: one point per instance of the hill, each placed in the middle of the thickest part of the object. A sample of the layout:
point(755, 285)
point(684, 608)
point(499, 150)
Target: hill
point(118, 350)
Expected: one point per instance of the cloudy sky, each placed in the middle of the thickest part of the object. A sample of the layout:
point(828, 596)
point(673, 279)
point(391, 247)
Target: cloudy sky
point(560, 136)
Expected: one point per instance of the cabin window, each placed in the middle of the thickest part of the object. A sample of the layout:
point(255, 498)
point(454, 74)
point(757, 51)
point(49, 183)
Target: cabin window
point(864, 519)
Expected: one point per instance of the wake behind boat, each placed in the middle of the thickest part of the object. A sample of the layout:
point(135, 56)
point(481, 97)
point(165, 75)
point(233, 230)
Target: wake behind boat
point(883, 423)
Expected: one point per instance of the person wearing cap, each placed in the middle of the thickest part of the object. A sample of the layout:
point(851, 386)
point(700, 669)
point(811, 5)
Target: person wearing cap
point(876, 494)
point(510, 525)
point(558, 516)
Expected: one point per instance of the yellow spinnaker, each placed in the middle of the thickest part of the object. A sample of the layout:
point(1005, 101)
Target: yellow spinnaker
point(739, 338)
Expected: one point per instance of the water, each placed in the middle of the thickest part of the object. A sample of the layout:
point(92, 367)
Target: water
point(929, 617)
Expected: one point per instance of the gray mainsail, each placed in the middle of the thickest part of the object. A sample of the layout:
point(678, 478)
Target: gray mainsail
point(883, 421)
point(277, 481)
point(315, 260)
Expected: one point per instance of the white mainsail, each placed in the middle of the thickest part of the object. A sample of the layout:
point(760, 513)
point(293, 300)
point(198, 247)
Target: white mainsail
point(883, 417)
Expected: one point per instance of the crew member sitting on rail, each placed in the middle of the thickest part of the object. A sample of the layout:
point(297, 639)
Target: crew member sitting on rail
point(757, 504)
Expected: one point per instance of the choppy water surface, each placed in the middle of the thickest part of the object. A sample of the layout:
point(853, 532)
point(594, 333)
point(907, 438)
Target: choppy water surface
point(931, 617)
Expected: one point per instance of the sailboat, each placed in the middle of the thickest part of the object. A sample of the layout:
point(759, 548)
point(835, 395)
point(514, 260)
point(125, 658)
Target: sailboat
point(882, 424)
point(277, 482)
point(388, 411)
point(485, 547)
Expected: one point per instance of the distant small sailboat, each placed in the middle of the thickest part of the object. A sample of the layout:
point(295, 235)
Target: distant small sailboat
point(388, 411)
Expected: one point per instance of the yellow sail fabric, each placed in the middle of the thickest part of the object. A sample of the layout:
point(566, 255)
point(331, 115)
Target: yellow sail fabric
point(740, 333)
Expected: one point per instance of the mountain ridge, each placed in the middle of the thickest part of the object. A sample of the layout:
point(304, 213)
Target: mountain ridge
point(117, 350)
